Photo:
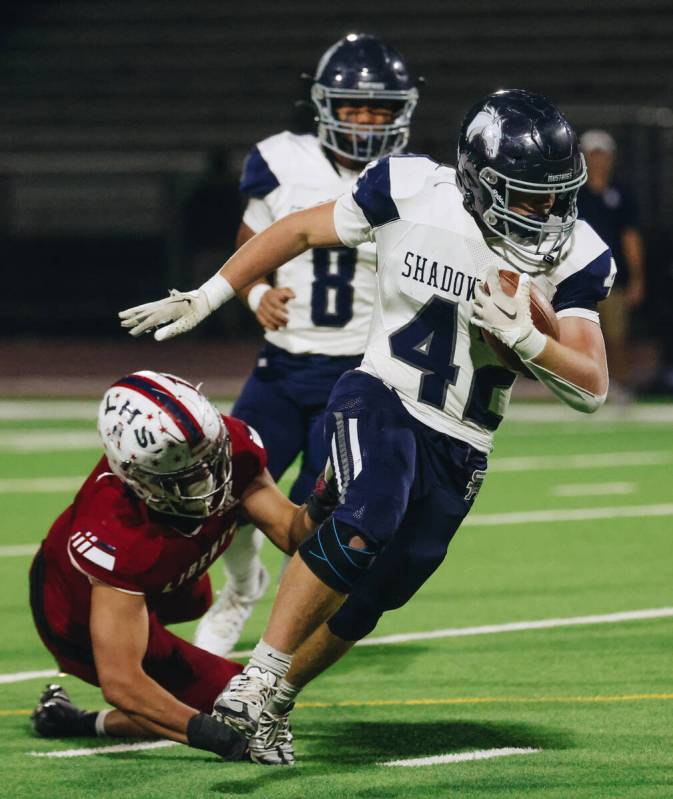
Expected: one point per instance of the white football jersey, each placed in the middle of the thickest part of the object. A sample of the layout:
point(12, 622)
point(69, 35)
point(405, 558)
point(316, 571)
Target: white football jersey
point(431, 255)
point(335, 287)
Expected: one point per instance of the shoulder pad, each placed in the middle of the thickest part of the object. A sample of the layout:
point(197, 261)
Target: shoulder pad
point(257, 179)
point(587, 275)
point(248, 455)
point(409, 174)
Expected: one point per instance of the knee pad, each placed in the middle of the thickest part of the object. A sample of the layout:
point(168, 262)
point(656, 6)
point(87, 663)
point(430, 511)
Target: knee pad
point(330, 557)
point(354, 620)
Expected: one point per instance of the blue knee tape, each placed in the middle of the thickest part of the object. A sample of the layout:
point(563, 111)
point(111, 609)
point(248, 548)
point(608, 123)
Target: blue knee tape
point(328, 555)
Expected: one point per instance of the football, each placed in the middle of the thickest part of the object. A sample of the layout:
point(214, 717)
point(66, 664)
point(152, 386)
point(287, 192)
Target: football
point(544, 319)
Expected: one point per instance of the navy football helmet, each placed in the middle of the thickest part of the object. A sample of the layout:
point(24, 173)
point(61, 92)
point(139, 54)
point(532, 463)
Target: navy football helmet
point(517, 148)
point(357, 69)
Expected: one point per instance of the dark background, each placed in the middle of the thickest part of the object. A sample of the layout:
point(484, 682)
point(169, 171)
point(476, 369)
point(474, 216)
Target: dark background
point(123, 126)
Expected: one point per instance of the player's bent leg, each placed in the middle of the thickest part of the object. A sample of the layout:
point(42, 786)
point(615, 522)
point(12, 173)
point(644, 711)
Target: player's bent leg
point(246, 582)
point(302, 603)
point(272, 741)
point(191, 674)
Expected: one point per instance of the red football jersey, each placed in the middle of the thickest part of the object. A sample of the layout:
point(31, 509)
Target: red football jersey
point(109, 534)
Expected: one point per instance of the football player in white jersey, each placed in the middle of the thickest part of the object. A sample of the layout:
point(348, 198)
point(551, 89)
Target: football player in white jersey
point(411, 429)
point(316, 316)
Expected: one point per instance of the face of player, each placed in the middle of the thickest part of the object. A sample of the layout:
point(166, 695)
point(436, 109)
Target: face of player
point(533, 205)
point(364, 115)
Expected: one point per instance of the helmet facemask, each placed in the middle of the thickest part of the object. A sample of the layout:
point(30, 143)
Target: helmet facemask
point(360, 142)
point(537, 238)
point(194, 492)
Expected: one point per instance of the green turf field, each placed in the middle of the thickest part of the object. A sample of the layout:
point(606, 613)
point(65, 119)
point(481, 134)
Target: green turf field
point(575, 519)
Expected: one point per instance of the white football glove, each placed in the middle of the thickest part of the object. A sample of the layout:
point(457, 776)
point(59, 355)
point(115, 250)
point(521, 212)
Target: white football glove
point(184, 309)
point(508, 318)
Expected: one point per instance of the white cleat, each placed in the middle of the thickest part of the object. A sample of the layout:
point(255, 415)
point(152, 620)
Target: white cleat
point(219, 630)
point(271, 744)
point(242, 701)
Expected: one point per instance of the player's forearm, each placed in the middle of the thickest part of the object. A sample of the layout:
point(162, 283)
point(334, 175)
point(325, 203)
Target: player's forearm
point(574, 366)
point(575, 378)
point(148, 703)
point(281, 242)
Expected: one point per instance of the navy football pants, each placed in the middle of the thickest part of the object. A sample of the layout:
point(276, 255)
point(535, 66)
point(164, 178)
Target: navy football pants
point(407, 488)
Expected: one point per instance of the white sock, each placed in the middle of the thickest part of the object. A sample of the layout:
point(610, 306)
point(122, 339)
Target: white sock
point(241, 560)
point(283, 698)
point(267, 658)
point(100, 723)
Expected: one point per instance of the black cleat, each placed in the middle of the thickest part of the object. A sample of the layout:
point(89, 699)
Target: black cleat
point(56, 717)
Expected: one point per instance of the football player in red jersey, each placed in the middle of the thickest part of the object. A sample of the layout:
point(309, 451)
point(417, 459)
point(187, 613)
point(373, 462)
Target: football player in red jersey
point(131, 554)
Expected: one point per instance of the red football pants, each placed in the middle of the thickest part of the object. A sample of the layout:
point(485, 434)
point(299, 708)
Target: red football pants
point(192, 675)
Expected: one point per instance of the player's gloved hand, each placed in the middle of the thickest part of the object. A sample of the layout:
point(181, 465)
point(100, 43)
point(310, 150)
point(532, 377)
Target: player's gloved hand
point(179, 312)
point(508, 318)
point(270, 305)
point(325, 496)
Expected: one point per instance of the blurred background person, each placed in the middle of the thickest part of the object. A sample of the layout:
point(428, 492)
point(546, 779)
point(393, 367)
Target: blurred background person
point(611, 210)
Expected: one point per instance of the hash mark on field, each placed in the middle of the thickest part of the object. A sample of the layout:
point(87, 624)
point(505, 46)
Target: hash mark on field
point(105, 750)
point(592, 489)
point(462, 757)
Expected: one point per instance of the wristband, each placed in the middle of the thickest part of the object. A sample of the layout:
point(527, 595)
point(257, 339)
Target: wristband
point(206, 732)
point(531, 346)
point(255, 295)
point(218, 290)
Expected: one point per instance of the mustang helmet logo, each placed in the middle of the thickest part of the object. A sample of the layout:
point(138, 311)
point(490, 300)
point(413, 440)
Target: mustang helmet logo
point(488, 125)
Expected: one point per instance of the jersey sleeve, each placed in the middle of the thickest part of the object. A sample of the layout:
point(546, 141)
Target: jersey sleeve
point(257, 178)
point(248, 454)
point(258, 215)
point(369, 206)
point(122, 567)
point(580, 293)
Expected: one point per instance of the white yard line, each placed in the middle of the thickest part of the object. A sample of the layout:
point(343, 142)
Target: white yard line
point(16, 550)
point(555, 413)
point(450, 632)
point(462, 757)
point(593, 489)
point(105, 750)
point(48, 440)
point(510, 627)
point(27, 410)
point(40, 485)
point(603, 460)
point(21, 676)
point(568, 515)
point(73, 410)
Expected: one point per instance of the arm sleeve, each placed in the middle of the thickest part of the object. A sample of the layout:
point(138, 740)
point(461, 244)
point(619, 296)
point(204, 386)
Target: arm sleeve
point(370, 205)
point(580, 293)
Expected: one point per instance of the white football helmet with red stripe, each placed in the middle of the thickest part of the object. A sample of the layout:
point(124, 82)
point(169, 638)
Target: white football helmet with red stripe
point(168, 443)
